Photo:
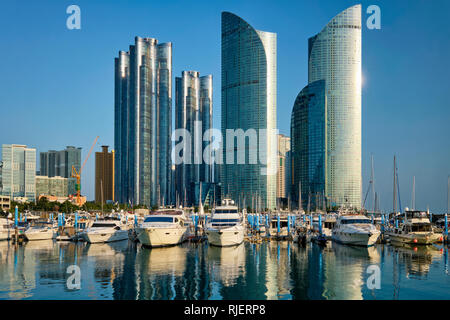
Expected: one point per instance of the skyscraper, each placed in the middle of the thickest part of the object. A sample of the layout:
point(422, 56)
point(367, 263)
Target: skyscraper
point(104, 175)
point(326, 118)
point(142, 123)
point(19, 171)
point(59, 163)
point(284, 145)
point(249, 84)
point(193, 101)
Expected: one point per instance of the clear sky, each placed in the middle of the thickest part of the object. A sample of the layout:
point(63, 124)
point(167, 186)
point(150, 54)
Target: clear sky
point(57, 85)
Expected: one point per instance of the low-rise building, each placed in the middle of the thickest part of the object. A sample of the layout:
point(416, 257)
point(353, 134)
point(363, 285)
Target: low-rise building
point(5, 203)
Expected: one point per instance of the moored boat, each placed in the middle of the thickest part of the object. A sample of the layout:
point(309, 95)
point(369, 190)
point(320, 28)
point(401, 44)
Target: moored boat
point(164, 227)
point(106, 230)
point(225, 227)
point(355, 229)
point(416, 229)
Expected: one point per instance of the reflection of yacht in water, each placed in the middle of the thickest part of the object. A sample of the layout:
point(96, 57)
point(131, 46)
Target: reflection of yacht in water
point(226, 227)
point(355, 229)
point(416, 259)
point(228, 263)
point(164, 227)
point(105, 249)
point(416, 229)
point(162, 261)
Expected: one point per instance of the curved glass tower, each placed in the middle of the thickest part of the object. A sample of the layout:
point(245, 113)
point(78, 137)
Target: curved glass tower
point(334, 56)
point(308, 136)
point(249, 103)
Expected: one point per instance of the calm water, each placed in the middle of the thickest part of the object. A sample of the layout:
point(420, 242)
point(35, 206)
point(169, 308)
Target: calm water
point(122, 270)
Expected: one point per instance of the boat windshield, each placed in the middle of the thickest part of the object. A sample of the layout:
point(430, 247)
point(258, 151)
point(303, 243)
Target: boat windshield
point(355, 221)
point(226, 211)
point(102, 225)
point(421, 227)
point(224, 222)
point(159, 219)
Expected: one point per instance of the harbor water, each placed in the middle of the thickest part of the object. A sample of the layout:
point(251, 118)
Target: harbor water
point(269, 270)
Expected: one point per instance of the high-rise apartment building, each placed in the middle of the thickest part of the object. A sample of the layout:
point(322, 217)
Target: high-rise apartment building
point(249, 91)
point(104, 175)
point(284, 145)
point(193, 112)
point(142, 123)
point(51, 186)
point(19, 171)
point(59, 164)
point(326, 118)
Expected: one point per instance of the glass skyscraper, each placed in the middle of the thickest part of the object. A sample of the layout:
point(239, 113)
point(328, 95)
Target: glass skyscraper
point(249, 85)
point(19, 171)
point(326, 118)
point(142, 123)
point(193, 100)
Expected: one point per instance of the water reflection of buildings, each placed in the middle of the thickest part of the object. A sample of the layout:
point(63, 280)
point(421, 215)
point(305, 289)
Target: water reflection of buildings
point(278, 281)
point(227, 263)
point(344, 271)
point(20, 268)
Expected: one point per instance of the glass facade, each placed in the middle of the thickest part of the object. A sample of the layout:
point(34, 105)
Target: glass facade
point(19, 171)
point(142, 123)
point(249, 102)
point(308, 133)
point(334, 56)
point(193, 99)
point(59, 164)
point(54, 186)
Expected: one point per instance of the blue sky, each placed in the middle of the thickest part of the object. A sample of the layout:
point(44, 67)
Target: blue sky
point(57, 85)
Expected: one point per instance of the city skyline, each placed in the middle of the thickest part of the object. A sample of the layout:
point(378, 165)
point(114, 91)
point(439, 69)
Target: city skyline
point(401, 116)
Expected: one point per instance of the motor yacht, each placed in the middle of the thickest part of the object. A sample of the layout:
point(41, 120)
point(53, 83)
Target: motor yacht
point(226, 227)
point(6, 229)
point(164, 227)
point(39, 232)
point(108, 229)
point(416, 229)
point(355, 229)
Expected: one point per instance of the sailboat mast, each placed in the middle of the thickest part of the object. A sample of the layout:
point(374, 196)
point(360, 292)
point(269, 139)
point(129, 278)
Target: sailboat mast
point(373, 187)
point(413, 197)
point(395, 190)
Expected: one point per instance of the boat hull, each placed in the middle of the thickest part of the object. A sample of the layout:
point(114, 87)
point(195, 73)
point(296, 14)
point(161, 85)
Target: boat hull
point(105, 236)
point(225, 237)
point(356, 239)
point(423, 239)
point(39, 235)
point(161, 237)
point(6, 234)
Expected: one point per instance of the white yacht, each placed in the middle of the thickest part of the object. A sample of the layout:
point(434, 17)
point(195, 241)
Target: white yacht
point(106, 230)
point(225, 227)
point(39, 232)
point(416, 229)
point(355, 229)
point(164, 227)
point(6, 229)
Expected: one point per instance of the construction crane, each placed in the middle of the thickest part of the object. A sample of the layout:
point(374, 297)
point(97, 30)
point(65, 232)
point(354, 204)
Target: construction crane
point(77, 174)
